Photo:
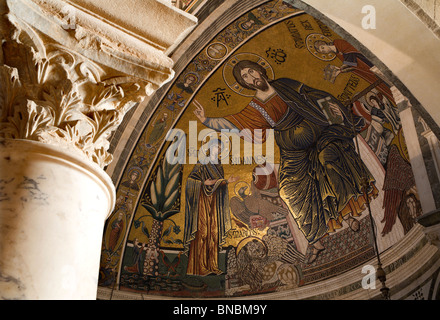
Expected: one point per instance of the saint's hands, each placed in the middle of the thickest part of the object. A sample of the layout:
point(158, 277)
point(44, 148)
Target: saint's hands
point(199, 112)
point(210, 182)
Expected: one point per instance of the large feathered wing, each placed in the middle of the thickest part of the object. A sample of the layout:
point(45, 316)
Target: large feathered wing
point(398, 179)
point(238, 209)
point(282, 250)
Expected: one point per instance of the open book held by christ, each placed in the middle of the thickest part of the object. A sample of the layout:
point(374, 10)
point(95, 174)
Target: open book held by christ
point(331, 116)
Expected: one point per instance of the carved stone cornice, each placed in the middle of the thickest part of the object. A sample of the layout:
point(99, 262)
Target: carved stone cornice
point(68, 75)
point(431, 223)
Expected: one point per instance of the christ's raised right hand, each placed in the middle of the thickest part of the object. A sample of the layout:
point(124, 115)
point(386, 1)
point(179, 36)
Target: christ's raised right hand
point(199, 112)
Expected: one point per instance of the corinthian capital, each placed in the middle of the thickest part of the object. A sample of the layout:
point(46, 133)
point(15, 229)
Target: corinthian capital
point(70, 70)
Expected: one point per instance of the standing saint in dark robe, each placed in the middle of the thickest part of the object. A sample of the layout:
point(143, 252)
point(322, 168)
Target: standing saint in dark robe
point(117, 229)
point(207, 217)
point(158, 130)
point(321, 177)
point(138, 248)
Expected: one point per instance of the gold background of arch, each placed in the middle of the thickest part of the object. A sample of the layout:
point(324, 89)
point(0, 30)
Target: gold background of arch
point(300, 65)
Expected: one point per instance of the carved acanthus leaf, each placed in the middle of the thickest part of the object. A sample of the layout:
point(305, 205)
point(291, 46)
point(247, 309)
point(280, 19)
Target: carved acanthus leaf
point(61, 98)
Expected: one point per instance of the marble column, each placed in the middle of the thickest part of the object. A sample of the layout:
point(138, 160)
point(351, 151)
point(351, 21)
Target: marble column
point(53, 205)
point(69, 72)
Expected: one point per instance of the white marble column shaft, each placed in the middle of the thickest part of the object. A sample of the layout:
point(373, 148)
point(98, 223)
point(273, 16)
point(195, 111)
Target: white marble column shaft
point(52, 211)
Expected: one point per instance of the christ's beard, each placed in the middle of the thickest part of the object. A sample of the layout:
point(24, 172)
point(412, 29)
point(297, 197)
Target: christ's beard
point(260, 85)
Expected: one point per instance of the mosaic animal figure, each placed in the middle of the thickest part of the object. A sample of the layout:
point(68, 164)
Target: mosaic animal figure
point(244, 206)
point(256, 260)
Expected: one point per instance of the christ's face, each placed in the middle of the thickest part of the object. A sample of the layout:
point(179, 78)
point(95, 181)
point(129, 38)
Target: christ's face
point(254, 79)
